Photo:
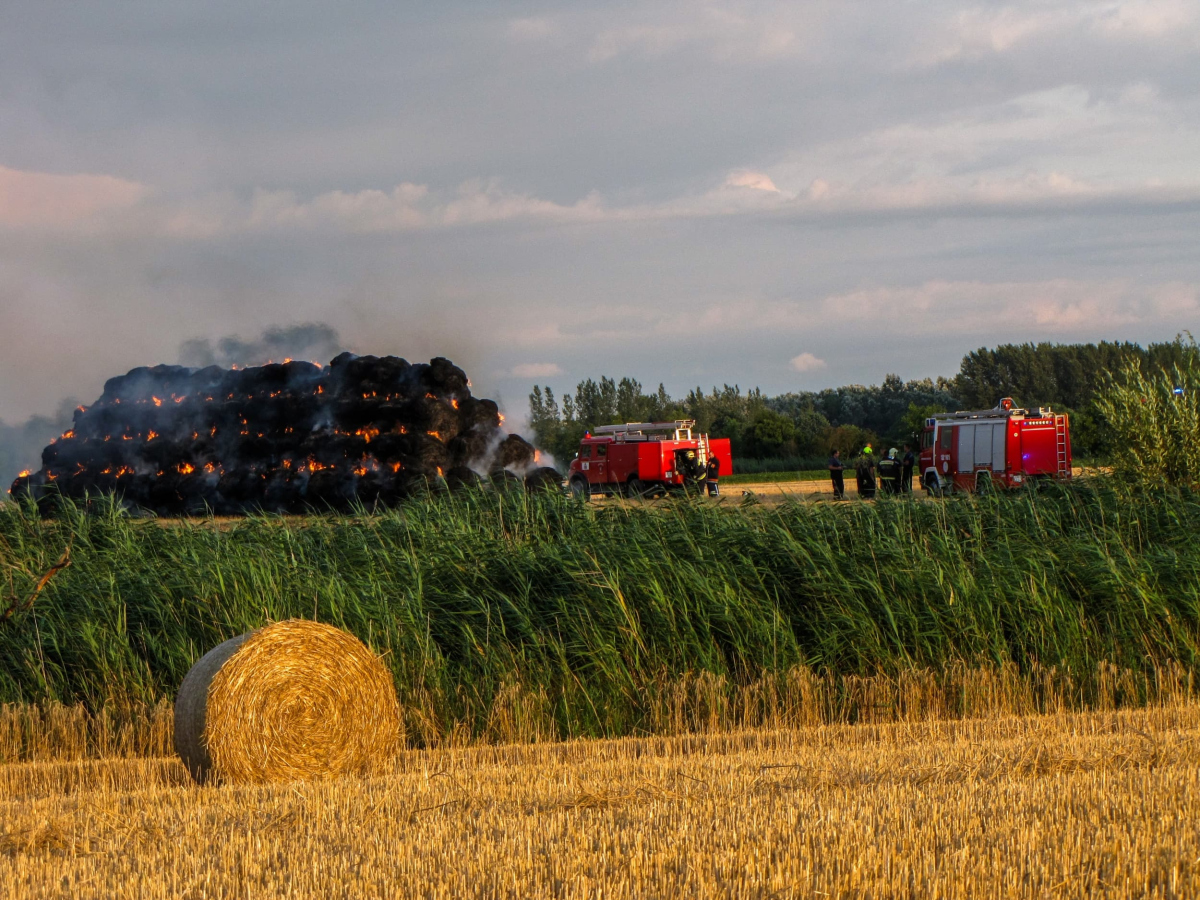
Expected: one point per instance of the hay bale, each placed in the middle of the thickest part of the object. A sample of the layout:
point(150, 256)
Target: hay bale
point(290, 701)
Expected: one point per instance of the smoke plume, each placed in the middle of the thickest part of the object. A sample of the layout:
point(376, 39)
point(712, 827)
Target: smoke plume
point(312, 340)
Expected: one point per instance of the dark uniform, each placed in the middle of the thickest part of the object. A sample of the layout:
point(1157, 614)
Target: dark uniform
point(836, 469)
point(889, 474)
point(864, 471)
point(711, 474)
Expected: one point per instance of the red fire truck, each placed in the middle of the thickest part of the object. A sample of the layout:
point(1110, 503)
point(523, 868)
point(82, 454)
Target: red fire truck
point(1002, 447)
point(645, 459)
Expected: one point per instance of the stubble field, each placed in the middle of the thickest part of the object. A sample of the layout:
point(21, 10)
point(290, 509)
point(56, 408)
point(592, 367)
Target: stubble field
point(1100, 804)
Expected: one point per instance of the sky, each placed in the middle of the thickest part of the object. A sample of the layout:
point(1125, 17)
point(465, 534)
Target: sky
point(785, 194)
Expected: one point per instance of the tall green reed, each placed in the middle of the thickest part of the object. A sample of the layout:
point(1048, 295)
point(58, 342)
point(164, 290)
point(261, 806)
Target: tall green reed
point(589, 613)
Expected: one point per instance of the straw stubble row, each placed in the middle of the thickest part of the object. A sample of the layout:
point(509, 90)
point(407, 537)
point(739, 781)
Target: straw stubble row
point(1074, 805)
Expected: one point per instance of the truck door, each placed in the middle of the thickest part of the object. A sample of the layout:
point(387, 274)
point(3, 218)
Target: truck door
point(598, 471)
point(942, 451)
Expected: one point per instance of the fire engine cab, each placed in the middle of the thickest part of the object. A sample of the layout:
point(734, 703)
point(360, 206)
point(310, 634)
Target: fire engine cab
point(645, 459)
point(1001, 447)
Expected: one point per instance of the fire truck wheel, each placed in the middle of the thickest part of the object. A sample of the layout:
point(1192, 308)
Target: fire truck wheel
point(579, 487)
point(932, 486)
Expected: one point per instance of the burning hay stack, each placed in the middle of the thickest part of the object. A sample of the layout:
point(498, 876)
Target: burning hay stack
point(285, 437)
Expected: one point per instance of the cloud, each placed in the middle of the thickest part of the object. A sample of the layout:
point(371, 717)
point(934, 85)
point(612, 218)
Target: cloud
point(723, 32)
point(1054, 307)
point(531, 28)
point(1051, 307)
point(999, 29)
point(806, 362)
point(536, 370)
point(755, 180)
point(45, 200)
point(404, 208)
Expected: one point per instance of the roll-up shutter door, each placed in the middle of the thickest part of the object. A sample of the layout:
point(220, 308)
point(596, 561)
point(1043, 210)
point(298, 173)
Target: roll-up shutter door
point(966, 447)
point(983, 445)
point(998, 443)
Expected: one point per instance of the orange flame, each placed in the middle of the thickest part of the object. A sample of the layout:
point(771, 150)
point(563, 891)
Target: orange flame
point(454, 403)
point(24, 474)
point(440, 475)
point(67, 435)
point(209, 468)
point(367, 433)
point(396, 467)
point(157, 402)
point(434, 434)
point(151, 435)
point(186, 468)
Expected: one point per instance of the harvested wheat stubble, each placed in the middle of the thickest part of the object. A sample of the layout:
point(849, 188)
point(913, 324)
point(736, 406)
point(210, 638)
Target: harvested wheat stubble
point(291, 701)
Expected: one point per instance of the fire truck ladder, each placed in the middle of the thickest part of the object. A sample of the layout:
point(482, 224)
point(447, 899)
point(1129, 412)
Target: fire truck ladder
point(1060, 435)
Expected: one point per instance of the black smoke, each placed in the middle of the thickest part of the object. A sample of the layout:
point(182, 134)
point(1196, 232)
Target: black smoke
point(285, 437)
point(312, 340)
point(21, 443)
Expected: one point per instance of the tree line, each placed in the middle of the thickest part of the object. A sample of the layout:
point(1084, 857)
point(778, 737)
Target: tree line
point(802, 427)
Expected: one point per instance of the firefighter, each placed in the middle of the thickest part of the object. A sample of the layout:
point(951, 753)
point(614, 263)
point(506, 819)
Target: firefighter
point(712, 473)
point(889, 472)
point(864, 471)
point(908, 464)
point(836, 470)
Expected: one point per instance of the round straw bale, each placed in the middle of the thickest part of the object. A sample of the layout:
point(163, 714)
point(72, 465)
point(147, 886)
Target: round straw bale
point(290, 701)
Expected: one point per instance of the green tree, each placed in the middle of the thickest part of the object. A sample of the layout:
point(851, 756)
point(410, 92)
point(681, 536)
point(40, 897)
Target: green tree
point(769, 434)
point(811, 432)
point(1155, 421)
point(850, 439)
point(912, 424)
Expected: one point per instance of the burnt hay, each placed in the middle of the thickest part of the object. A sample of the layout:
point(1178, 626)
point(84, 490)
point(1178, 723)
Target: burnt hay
point(286, 437)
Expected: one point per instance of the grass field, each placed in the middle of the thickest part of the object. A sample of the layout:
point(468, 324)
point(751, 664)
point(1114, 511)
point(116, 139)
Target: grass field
point(1102, 804)
point(775, 477)
point(506, 615)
